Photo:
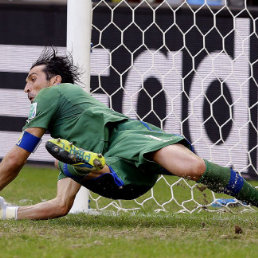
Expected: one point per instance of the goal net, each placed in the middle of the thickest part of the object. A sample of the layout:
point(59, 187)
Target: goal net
point(189, 69)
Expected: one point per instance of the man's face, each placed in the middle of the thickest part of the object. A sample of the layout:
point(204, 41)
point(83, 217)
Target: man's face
point(35, 81)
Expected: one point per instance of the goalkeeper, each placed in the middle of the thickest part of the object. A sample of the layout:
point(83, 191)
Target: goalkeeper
point(103, 150)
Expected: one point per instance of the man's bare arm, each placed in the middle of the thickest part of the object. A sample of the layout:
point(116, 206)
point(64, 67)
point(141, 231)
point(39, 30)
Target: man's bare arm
point(15, 159)
point(57, 207)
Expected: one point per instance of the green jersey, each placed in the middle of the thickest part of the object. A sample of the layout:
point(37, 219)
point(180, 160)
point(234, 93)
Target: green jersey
point(68, 112)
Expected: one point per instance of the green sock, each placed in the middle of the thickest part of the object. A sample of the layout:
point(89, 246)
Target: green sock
point(226, 180)
point(248, 194)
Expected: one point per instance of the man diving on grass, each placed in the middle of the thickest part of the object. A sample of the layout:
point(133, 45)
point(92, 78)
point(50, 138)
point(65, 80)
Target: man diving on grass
point(103, 150)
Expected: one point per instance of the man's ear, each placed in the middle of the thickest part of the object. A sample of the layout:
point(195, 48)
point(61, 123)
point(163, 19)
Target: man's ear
point(57, 79)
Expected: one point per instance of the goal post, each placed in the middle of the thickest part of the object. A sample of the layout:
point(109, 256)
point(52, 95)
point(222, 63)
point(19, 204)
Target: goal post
point(79, 22)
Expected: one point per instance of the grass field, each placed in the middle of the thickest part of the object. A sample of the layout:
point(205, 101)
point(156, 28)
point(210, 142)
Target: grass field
point(146, 234)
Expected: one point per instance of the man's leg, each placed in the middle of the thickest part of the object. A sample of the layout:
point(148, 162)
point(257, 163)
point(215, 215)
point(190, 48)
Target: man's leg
point(180, 161)
point(72, 172)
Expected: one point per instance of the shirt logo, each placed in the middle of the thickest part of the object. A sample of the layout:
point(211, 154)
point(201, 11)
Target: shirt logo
point(33, 111)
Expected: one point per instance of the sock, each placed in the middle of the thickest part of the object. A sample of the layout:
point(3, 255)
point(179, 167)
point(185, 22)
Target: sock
point(226, 180)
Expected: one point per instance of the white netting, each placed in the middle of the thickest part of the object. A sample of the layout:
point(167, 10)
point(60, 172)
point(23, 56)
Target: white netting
point(190, 70)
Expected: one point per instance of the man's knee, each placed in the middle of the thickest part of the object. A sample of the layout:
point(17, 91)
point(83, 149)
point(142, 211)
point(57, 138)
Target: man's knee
point(198, 167)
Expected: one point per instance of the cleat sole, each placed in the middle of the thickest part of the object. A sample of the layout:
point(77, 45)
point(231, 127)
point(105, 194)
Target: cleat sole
point(66, 152)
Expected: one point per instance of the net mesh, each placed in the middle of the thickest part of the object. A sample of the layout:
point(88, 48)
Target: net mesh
point(191, 70)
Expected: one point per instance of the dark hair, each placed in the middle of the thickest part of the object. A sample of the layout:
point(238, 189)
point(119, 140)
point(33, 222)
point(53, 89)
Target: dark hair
point(58, 65)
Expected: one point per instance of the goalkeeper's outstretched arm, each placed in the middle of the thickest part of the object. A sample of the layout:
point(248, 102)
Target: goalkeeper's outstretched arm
point(13, 162)
point(9, 169)
point(57, 207)
point(11, 165)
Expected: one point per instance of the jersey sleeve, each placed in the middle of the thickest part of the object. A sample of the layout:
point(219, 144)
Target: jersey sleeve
point(43, 109)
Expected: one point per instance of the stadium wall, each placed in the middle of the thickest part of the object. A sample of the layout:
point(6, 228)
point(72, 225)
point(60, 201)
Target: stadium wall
point(26, 29)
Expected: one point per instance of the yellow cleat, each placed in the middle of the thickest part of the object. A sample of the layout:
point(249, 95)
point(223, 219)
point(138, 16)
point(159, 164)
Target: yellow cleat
point(66, 152)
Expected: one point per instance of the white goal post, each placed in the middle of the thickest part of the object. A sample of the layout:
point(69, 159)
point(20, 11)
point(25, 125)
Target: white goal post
point(188, 69)
point(79, 23)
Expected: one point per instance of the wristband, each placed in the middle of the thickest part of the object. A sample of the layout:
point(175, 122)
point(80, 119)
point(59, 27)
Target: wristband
point(11, 212)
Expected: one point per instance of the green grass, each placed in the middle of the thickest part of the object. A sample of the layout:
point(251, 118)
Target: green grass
point(145, 234)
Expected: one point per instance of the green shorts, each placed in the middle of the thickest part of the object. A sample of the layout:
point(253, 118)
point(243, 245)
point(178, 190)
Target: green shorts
point(129, 147)
point(127, 154)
